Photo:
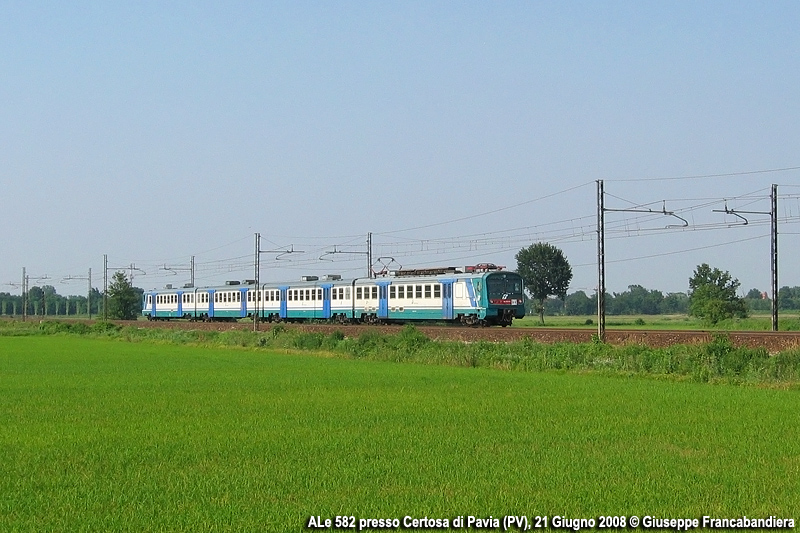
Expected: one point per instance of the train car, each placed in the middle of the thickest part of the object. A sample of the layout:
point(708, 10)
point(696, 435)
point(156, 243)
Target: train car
point(478, 295)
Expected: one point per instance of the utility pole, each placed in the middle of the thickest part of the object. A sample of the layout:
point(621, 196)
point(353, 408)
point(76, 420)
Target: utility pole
point(24, 295)
point(774, 250)
point(773, 243)
point(88, 293)
point(106, 268)
point(601, 252)
point(175, 270)
point(368, 253)
point(601, 264)
point(257, 273)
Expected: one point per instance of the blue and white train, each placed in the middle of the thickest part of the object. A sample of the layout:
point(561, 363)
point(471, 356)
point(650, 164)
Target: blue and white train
point(479, 295)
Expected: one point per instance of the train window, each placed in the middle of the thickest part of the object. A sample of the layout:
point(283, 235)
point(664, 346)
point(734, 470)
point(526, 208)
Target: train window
point(303, 295)
point(418, 293)
point(401, 291)
point(358, 293)
point(375, 292)
point(427, 291)
point(319, 294)
point(334, 294)
point(238, 296)
point(290, 293)
point(392, 291)
point(437, 291)
point(313, 294)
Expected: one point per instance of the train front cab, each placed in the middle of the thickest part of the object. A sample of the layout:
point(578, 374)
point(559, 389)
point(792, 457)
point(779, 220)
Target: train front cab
point(504, 299)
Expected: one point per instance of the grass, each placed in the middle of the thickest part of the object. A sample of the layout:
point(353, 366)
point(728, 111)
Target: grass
point(101, 435)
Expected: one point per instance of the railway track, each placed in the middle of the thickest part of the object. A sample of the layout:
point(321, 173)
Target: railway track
point(772, 341)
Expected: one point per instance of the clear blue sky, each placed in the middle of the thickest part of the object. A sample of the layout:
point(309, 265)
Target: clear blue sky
point(455, 132)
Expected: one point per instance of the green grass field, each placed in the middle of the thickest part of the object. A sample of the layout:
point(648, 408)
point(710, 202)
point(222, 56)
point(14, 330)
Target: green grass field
point(102, 435)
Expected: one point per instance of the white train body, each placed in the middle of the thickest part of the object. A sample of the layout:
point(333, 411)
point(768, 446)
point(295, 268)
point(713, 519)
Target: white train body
point(486, 297)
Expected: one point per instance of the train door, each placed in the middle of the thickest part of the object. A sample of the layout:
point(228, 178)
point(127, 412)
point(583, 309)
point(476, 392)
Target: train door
point(283, 312)
point(326, 300)
point(210, 303)
point(383, 299)
point(447, 299)
point(180, 304)
point(154, 297)
point(243, 307)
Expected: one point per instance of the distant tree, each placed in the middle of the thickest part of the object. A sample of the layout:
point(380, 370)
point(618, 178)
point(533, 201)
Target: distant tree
point(546, 272)
point(789, 298)
point(753, 294)
point(675, 303)
point(756, 301)
point(578, 303)
point(124, 303)
point(713, 295)
point(34, 300)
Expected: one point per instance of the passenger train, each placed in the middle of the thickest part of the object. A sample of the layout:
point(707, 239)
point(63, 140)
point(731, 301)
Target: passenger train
point(483, 295)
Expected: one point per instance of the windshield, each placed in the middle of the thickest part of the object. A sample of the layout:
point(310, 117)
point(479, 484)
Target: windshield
point(504, 286)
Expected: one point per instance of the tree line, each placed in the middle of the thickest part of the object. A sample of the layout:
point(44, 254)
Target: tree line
point(124, 301)
point(712, 295)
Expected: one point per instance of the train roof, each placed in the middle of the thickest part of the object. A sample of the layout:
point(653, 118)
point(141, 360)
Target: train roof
point(405, 276)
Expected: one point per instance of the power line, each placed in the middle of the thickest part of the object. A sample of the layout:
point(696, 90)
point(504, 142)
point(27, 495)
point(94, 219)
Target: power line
point(708, 176)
